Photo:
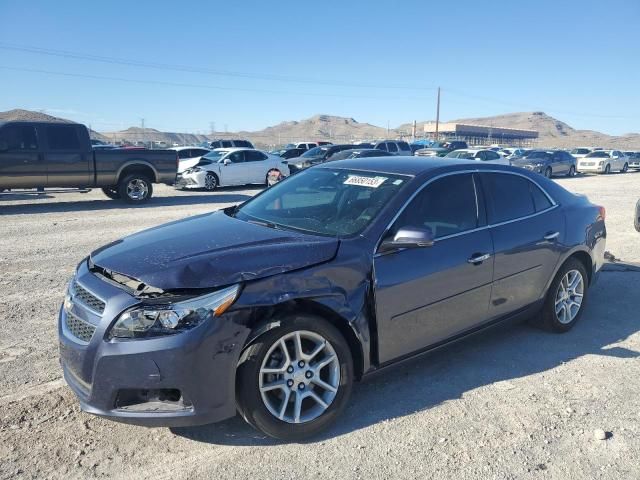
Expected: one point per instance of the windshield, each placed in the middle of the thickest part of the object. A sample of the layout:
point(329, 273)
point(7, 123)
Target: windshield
point(324, 201)
point(215, 156)
point(459, 154)
point(315, 152)
point(580, 151)
point(535, 154)
point(598, 154)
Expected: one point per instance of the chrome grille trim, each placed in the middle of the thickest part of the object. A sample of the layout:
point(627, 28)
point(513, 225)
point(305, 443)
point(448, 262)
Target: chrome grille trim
point(86, 298)
point(79, 328)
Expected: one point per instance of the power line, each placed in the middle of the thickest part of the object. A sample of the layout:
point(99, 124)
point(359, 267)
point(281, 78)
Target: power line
point(194, 85)
point(197, 69)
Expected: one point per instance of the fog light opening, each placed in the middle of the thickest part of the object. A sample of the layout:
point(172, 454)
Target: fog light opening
point(152, 400)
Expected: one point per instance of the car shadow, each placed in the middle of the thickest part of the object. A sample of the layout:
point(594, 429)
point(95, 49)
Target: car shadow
point(496, 358)
point(108, 204)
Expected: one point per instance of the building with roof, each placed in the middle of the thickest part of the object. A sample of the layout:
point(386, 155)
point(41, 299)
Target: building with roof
point(481, 134)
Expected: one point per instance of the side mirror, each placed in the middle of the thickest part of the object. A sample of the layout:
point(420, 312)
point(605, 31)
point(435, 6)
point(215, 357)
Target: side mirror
point(227, 162)
point(4, 146)
point(636, 220)
point(408, 237)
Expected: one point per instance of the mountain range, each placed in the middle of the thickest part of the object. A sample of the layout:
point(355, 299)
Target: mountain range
point(553, 133)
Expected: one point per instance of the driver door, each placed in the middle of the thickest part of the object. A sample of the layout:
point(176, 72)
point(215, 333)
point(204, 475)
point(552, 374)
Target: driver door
point(236, 172)
point(424, 296)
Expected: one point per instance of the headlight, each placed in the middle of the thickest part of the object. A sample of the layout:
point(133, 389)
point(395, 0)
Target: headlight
point(601, 163)
point(169, 319)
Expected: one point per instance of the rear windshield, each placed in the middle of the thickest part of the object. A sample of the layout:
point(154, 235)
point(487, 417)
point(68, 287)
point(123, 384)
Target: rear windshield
point(580, 151)
point(315, 152)
point(322, 201)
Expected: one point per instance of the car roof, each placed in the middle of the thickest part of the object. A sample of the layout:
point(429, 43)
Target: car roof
point(179, 149)
point(400, 165)
point(231, 149)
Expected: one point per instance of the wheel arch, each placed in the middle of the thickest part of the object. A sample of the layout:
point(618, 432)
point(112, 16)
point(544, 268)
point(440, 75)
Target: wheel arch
point(267, 318)
point(137, 167)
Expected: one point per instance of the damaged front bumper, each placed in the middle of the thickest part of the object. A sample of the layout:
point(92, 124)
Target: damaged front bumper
point(177, 380)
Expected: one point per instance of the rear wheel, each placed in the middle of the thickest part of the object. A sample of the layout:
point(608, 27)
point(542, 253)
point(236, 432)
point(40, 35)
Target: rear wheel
point(273, 177)
point(548, 172)
point(625, 168)
point(607, 169)
point(111, 192)
point(296, 379)
point(572, 171)
point(566, 297)
point(135, 188)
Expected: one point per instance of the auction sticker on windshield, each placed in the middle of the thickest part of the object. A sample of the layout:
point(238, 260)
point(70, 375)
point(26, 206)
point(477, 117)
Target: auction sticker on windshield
point(372, 182)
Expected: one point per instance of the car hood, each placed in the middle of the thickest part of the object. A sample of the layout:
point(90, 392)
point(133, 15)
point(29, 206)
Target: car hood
point(528, 161)
point(209, 251)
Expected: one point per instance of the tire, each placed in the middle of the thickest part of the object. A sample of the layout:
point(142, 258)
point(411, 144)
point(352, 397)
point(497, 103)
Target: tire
point(607, 169)
point(273, 177)
point(548, 172)
point(135, 188)
point(264, 409)
point(552, 316)
point(211, 182)
point(112, 193)
point(572, 171)
point(625, 168)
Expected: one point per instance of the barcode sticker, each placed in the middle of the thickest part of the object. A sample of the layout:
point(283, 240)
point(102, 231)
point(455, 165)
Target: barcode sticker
point(372, 182)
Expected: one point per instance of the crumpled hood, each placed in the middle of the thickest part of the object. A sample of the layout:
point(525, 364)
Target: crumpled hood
point(209, 251)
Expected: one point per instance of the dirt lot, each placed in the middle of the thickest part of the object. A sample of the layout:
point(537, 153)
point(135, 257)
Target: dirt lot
point(517, 403)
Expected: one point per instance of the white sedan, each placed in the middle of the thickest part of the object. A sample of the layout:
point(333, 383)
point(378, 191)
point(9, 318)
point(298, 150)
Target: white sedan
point(482, 155)
point(603, 161)
point(224, 167)
point(189, 156)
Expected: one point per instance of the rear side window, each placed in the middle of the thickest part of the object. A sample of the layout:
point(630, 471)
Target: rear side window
point(254, 156)
point(392, 147)
point(540, 200)
point(446, 206)
point(382, 146)
point(404, 146)
point(19, 137)
point(509, 197)
point(63, 137)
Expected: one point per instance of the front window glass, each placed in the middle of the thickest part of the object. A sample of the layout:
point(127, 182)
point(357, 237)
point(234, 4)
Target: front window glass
point(315, 152)
point(324, 201)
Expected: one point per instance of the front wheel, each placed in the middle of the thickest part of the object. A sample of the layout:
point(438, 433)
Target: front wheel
point(566, 297)
point(296, 379)
point(210, 181)
point(625, 168)
point(135, 188)
point(572, 171)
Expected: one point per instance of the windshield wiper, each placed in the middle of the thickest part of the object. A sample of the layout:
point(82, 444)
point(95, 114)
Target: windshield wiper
point(264, 223)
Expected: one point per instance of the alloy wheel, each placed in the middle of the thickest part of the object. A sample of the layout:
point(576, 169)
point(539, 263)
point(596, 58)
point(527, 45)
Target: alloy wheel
point(299, 377)
point(137, 189)
point(569, 296)
point(210, 181)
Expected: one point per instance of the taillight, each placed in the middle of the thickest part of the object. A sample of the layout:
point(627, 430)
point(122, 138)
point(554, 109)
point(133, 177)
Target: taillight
point(602, 213)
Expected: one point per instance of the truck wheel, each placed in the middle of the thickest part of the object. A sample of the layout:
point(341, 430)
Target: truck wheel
point(135, 188)
point(296, 379)
point(111, 192)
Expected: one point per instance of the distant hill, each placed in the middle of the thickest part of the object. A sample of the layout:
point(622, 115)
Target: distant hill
point(553, 132)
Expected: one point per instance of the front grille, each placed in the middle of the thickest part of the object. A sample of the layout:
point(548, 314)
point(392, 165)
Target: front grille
point(79, 328)
point(87, 298)
point(588, 164)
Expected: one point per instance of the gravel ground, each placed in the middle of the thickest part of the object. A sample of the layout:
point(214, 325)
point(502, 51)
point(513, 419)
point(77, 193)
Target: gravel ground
point(512, 403)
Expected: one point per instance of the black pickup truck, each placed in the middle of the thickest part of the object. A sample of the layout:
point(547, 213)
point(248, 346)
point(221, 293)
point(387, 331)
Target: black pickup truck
point(60, 155)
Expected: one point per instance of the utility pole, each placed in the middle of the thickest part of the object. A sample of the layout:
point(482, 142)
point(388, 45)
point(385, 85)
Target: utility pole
point(438, 115)
point(413, 132)
point(142, 126)
point(387, 128)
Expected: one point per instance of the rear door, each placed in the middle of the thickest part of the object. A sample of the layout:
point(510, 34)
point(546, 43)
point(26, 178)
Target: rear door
point(66, 157)
point(392, 148)
point(21, 164)
point(528, 231)
point(424, 296)
point(258, 165)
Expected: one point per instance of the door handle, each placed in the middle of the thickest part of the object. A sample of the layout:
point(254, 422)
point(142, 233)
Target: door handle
point(551, 236)
point(479, 258)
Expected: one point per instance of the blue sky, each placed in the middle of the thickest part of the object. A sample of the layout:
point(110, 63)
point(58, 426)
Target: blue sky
point(248, 65)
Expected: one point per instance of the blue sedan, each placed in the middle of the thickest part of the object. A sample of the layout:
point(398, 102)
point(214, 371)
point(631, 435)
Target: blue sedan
point(274, 308)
